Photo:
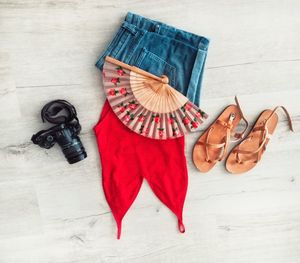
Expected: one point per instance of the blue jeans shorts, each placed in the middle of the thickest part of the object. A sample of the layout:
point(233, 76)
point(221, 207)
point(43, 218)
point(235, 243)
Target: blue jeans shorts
point(161, 50)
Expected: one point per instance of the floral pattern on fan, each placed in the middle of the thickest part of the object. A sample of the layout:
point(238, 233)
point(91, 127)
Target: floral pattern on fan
point(135, 94)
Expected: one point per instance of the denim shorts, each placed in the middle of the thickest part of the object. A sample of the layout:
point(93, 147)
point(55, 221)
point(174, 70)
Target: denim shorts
point(161, 50)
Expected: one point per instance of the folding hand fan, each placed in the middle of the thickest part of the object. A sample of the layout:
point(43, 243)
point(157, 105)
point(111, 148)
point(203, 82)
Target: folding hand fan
point(146, 104)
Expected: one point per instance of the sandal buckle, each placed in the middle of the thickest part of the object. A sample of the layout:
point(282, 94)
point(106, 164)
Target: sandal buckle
point(232, 116)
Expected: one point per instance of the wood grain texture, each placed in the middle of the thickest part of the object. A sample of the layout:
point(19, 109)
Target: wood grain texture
point(53, 212)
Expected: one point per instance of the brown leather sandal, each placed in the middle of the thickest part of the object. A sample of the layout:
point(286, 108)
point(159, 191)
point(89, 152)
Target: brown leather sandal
point(212, 145)
point(249, 151)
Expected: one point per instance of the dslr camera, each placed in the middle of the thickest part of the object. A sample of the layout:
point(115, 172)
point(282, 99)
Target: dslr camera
point(65, 132)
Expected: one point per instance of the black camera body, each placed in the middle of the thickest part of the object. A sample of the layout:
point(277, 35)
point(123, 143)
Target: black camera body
point(65, 133)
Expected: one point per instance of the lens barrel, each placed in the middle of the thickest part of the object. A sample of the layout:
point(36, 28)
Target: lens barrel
point(75, 151)
point(70, 144)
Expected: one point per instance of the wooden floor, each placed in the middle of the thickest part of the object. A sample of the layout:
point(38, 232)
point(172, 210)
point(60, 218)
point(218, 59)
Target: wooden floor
point(53, 212)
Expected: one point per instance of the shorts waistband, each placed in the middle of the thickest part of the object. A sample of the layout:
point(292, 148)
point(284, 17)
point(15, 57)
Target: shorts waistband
point(196, 41)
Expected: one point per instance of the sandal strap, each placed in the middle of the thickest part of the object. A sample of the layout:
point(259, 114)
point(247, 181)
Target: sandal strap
point(265, 136)
point(213, 145)
point(240, 135)
point(228, 125)
point(261, 148)
point(207, 144)
point(290, 123)
point(223, 146)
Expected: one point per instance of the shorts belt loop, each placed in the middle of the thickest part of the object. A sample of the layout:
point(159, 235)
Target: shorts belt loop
point(130, 27)
point(203, 45)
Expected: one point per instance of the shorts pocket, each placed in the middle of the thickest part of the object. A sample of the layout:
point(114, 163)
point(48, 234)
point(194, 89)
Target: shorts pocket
point(152, 63)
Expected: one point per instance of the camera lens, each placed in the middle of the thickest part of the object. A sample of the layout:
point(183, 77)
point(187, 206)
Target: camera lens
point(70, 144)
point(75, 151)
